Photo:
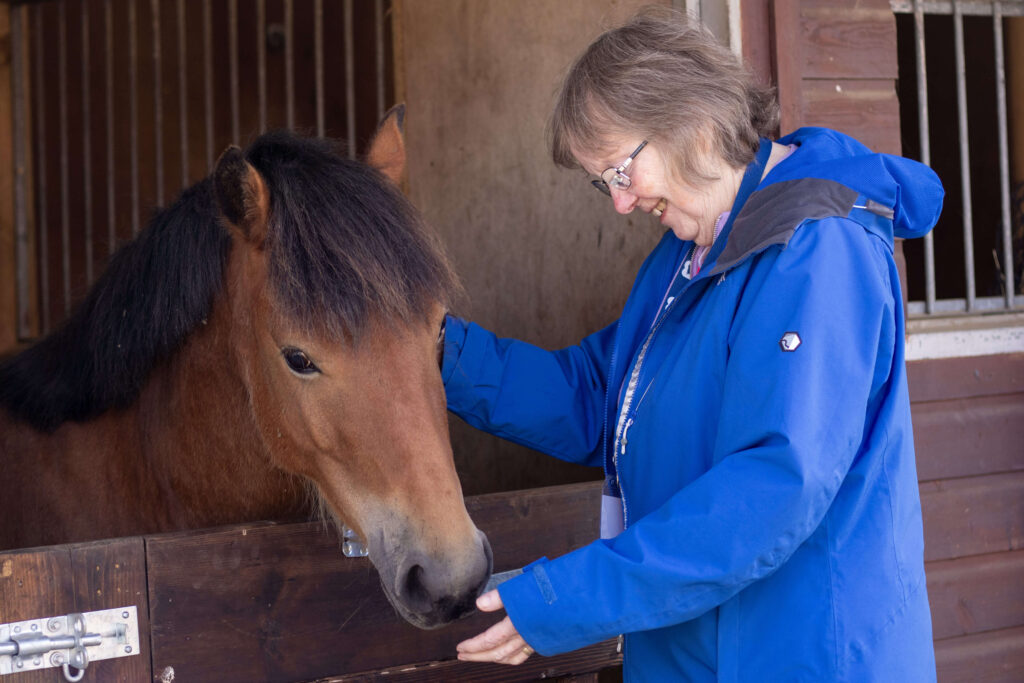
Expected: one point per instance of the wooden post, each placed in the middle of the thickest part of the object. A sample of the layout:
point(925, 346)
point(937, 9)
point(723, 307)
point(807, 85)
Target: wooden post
point(8, 266)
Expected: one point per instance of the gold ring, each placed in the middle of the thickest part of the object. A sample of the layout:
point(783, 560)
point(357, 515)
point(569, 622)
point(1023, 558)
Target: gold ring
point(527, 650)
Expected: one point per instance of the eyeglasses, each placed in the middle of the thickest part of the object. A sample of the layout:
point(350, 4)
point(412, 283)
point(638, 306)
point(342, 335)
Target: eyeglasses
point(616, 176)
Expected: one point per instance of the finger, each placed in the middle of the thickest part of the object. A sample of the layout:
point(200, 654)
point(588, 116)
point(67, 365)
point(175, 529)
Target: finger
point(489, 601)
point(494, 637)
point(513, 651)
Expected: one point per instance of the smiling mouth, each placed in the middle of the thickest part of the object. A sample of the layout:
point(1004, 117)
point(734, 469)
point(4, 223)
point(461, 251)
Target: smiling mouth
point(660, 207)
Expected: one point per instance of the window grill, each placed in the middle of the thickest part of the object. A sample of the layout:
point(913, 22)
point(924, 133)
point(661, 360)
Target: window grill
point(119, 104)
point(956, 100)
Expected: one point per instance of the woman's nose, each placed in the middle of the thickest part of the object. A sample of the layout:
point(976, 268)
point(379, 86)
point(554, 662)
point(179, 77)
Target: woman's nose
point(624, 201)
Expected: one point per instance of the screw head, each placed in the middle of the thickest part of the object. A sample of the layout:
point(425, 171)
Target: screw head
point(128, 649)
point(124, 615)
point(57, 658)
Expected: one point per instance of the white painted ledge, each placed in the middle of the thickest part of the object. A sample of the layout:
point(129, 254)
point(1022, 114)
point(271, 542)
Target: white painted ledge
point(965, 336)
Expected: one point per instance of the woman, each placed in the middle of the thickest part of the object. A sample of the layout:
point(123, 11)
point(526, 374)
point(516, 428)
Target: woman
point(762, 519)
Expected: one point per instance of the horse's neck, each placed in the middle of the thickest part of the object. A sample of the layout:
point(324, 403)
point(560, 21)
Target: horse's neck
point(201, 440)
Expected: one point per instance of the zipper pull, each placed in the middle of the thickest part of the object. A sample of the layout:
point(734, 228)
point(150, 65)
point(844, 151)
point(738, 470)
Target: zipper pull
point(625, 431)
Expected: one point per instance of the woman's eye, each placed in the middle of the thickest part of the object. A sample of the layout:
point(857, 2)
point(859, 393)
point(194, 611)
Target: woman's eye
point(299, 362)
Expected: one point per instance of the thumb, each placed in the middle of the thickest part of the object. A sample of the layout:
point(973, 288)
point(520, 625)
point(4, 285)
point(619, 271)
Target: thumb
point(489, 602)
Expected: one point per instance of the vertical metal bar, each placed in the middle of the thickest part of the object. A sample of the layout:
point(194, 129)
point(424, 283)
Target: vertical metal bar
point(65, 210)
point(42, 187)
point(261, 60)
point(1009, 284)
point(378, 51)
point(133, 77)
point(965, 163)
point(158, 109)
point(318, 49)
point(182, 91)
point(108, 21)
point(87, 145)
point(289, 62)
point(926, 153)
point(20, 130)
point(233, 62)
point(208, 81)
point(350, 81)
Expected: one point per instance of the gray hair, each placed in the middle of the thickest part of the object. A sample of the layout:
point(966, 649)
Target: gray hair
point(666, 78)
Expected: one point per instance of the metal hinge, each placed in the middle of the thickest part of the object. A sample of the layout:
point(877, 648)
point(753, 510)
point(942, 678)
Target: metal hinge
point(69, 642)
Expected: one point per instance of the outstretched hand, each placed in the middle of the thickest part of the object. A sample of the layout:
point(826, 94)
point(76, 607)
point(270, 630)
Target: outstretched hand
point(500, 643)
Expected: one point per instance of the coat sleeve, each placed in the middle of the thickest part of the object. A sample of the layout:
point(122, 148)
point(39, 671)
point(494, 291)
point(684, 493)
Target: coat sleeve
point(790, 426)
point(551, 401)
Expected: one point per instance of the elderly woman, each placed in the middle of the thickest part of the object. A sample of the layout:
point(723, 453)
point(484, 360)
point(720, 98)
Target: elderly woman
point(762, 519)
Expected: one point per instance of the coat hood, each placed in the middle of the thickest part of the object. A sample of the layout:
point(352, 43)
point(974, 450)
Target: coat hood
point(909, 188)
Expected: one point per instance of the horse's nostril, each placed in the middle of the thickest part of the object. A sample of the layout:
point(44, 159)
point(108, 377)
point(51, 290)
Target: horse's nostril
point(417, 595)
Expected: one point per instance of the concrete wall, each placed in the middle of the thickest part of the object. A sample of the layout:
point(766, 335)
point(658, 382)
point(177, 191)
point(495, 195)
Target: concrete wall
point(542, 255)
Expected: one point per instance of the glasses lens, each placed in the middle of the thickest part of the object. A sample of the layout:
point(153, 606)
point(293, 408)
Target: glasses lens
point(620, 181)
point(602, 186)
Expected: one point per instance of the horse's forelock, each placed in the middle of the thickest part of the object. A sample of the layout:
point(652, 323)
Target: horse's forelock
point(344, 244)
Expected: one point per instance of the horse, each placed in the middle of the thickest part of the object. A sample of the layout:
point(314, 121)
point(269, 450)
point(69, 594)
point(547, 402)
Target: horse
point(276, 331)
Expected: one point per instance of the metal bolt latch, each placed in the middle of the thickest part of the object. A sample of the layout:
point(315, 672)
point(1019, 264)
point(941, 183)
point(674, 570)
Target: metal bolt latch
point(351, 544)
point(68, 642)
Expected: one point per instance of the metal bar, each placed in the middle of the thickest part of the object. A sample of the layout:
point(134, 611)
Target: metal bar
point(982, 8)
point(261, 60)
point(133, 77)
point(378, 24)
point(62, 104)
point(965, 164)
point(233, 63)
point(289, 63)
point(350, 81)
point(208, 81)
point(43, 227)
point(182, 92)
point(318, 48)
point(21, 155)
point(1009, 284)
point(87, 145)
point(158, 110)
point(925, 141)
point(108, 21)
point(982, 304)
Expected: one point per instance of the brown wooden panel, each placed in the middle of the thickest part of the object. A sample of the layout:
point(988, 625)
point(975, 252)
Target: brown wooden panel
point(994, 657)
point(947, 378)
point(975, 594)
point(973, 516)
point(563, 668)
point(110, 574)
point(840, 41)
point(966, 437)
point(787, 63)
point(286, 605)
point(863, 109)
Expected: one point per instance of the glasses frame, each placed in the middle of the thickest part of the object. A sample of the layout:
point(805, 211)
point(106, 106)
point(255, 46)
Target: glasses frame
point(615, 176)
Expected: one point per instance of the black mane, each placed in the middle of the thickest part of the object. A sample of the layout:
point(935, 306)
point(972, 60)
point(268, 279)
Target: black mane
point(343, 244)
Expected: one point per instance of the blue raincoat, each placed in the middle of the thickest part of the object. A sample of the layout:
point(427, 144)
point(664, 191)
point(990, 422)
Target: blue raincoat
point(756, 423)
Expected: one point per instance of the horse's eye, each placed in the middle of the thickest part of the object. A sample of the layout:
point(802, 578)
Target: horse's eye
point(299, 362)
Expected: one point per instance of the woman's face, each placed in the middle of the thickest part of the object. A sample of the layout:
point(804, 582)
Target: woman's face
point(691, 212)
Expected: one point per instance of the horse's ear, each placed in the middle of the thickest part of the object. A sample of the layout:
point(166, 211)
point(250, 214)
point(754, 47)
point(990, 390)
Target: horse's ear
point(387, 150)
point(242, 194)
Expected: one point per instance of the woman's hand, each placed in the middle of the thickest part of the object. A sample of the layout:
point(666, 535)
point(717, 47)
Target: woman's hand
point(500, 643)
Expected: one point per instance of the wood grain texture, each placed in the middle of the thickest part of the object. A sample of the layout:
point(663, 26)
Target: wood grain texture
point(288, 606)
point(973, 516)
point(844, 41)
point(967, 437)
point(993, 657)
point(976, 594)
point(948, 378)
point(863, 109)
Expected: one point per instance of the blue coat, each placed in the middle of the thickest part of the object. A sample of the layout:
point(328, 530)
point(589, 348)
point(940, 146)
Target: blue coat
point(757, 422)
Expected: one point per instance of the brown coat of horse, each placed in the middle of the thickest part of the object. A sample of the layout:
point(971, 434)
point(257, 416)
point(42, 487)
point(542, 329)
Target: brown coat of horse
point(311, 375)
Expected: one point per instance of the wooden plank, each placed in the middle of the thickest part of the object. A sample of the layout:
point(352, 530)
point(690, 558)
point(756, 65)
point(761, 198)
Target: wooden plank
point(840, 41)
point(8, 264)
point(863, 109)
point(973, 516)
point(110, 574)
point(947, 378)
point(992, 657)
point(976, 594)
point(286, 605)
point(966, 437)
point(564, 668)
point(59, 580)
point(787, 63)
